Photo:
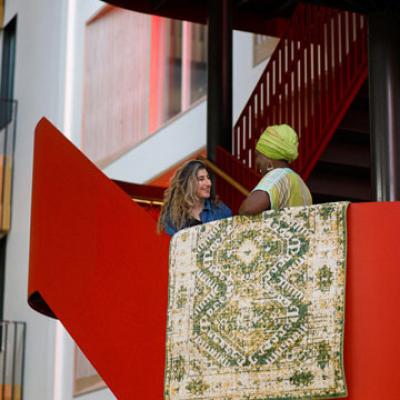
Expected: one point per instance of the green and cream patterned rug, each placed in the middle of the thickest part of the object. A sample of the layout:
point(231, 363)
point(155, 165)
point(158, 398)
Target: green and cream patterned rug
point(256, 307)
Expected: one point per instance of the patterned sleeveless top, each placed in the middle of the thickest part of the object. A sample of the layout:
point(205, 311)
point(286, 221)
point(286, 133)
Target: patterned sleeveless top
point(285, 188)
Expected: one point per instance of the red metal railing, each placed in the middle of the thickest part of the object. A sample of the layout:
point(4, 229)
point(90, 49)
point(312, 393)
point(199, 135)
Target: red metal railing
point(148, 197)
point(242, 175)
point(310, 81)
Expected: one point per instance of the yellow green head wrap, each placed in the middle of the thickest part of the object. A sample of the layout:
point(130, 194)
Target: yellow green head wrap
point(279, 142)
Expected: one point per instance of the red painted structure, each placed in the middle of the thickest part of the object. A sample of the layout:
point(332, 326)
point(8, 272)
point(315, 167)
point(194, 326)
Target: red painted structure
point(97, 265)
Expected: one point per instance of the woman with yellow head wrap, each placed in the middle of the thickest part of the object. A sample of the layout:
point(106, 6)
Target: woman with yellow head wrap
point(280, 186)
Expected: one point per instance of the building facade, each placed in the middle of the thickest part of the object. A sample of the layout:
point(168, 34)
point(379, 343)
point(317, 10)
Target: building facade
point(51, 78)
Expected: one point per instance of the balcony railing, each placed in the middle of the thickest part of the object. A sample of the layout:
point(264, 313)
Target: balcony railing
point(12, 357)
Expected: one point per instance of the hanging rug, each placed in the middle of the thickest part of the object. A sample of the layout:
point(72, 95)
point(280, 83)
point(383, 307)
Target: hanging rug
point(256, 307)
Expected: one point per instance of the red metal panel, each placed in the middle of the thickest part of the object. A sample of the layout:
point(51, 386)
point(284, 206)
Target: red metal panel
point(372, 347)
point(98, 265)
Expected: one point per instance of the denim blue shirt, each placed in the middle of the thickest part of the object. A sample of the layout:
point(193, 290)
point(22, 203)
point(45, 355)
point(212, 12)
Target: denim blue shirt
point(210, 213)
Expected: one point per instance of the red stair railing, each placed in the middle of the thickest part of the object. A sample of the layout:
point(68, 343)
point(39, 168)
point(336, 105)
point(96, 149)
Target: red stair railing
point(310, 81)
point(241, 174)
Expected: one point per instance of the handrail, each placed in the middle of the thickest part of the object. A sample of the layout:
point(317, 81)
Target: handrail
point(227, 178)
point(313, 75)
point(143, 194)
point(149, 202)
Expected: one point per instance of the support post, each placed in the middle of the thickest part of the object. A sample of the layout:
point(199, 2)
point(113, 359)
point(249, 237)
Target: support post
point(219, 91)
point(384, 90)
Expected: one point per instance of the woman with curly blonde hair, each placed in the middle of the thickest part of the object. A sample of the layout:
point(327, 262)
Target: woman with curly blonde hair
point(190, 199)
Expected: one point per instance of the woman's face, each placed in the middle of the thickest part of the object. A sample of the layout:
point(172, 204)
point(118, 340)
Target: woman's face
point(203, 188)
point(263, 163)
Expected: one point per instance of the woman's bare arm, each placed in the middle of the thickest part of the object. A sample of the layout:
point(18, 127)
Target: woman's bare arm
point(255, 203)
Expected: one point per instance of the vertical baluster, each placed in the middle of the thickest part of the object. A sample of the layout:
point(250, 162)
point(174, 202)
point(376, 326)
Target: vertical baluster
point(302, 100)
point(286, 80)
point(278, 86)
point(265, 97)
point(303, 90)
point(336, 84)
point(234, 139)
point(296, 88)
point(243, 135)
point(343, 64)
point(237, 141)
point(316, 77)
point(293, 75)
point(310, 124)
point(273, 93)
point(254, 129)
point(236, 129)
point(302, 87)
point(320, 70)
point(359, 47)
point(268, 91)
point(221, 164)
point(289, 99)
point(348, 42)
point(249, 132)
point(256, 135)
point(329, 50)
point(359, 39)
point(316, 35)
point(262, 104)
point(352, 55)
point(324, 49)
point(364, 51)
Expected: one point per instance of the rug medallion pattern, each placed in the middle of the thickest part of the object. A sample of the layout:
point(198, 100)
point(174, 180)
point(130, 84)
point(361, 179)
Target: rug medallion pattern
point(256, 307)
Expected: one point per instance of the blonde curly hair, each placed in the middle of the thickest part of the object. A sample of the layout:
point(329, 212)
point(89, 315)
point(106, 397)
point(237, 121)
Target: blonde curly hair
point(180, 196)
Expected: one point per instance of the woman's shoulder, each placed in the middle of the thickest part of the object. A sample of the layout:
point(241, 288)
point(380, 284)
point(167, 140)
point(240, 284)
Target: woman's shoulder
point(275, 175)
point(220, 207)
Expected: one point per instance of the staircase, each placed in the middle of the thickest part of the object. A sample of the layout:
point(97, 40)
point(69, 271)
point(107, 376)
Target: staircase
point(313, 82)
point(343, 171)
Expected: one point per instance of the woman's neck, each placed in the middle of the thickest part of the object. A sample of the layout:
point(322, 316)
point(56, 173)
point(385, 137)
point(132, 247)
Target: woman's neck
point(197, 208)
point(280, 164)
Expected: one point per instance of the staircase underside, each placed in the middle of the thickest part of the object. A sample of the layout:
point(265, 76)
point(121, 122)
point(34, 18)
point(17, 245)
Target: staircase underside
point(261, 16)
point(267, 17)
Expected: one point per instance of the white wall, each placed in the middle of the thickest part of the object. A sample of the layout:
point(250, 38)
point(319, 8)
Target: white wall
point(175, 141)
point(83, 11)
point(41, 59)
point(245, 76)
point(38, 90)
point(188, 132)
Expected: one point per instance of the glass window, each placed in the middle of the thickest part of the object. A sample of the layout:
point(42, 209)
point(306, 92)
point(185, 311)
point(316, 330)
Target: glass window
point(140, 72)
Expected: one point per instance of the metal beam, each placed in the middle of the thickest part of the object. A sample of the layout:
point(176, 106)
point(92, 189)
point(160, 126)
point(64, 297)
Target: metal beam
point(219, 97)
point(384, 88)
